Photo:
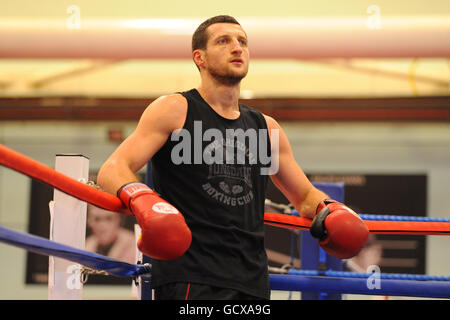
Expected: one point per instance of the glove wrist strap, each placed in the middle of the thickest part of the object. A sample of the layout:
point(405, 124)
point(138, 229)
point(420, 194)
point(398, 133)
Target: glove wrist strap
point(323, 204)
point(317, 228)
point(130, 190)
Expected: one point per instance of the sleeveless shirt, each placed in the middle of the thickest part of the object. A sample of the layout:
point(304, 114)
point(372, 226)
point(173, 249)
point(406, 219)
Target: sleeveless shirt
point(211, 171)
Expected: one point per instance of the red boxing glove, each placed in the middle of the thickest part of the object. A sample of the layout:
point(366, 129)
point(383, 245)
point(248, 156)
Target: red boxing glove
point(341, 232)
point(165, 235)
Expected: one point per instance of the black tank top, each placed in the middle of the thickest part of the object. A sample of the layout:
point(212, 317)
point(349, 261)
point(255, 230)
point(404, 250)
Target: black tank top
point(220, 196)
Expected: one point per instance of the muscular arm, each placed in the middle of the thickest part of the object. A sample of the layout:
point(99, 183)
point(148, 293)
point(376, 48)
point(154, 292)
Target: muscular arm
point(159, 119)
point(290, 178)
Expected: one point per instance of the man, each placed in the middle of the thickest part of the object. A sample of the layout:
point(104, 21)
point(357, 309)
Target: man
point(108, 237)
point(208, 161)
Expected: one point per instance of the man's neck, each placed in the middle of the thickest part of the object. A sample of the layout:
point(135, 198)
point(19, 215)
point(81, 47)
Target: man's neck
point(224, 98)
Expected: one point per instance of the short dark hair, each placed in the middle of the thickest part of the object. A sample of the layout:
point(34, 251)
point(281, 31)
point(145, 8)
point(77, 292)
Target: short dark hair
point(200, 38)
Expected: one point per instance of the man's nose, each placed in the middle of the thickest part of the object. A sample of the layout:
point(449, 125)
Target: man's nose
point(236, 46)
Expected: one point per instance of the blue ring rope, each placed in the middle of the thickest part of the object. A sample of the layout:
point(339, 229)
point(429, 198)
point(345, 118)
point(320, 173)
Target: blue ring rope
point(347, 274)
point(89, 259)
point(413, 288)
point(383, 217)
point(384, 287)
point(378, 217)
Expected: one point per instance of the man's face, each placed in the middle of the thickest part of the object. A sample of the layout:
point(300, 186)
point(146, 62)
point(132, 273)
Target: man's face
point(104, 224)
point(226, 56)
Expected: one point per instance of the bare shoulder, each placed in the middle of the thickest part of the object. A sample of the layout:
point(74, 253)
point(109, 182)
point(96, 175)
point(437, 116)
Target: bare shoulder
point(271, 122)
point(276, 132)
point(175, 100)
point(174, 104)
point(169, 111)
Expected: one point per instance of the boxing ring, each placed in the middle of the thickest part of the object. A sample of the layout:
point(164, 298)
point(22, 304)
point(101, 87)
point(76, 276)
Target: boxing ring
point(309, 280)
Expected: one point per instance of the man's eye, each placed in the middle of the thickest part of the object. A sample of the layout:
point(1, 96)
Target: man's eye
point(221, 41)
point(243, 42)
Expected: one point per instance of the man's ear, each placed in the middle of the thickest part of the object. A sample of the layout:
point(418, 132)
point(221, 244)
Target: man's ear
point(198, 56)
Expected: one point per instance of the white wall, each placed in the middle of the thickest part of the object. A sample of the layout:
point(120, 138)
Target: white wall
point(322, 147)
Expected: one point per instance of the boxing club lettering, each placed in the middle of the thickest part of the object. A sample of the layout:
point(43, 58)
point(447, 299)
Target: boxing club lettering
point(237, 147)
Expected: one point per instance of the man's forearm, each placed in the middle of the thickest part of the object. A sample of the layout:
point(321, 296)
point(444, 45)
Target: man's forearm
point(113, 175)
point(307, 208)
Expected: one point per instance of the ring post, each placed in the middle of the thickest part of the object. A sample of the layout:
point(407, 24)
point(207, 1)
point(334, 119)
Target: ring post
point(315, 258)
point(67, 226)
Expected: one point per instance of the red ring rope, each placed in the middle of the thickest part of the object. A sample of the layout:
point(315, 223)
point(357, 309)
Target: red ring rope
point(375, 227)
point(36, 170)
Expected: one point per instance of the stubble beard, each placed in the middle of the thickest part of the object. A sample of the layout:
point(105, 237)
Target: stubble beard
point(227, 77)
